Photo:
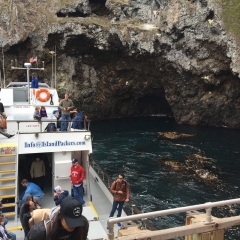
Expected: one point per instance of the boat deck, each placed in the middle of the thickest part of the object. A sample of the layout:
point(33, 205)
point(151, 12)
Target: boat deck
point(96, 212)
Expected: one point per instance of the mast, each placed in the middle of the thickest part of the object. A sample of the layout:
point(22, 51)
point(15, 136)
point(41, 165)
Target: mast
point(29, 67)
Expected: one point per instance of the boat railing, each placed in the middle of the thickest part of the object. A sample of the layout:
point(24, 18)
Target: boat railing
point(207, 225)
point(129, 208)
point(86, 124)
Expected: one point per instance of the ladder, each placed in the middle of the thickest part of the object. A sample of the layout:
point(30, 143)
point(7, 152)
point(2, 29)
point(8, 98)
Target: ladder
point(8, 177)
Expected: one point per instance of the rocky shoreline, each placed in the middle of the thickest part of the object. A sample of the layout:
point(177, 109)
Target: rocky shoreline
point(132, 58)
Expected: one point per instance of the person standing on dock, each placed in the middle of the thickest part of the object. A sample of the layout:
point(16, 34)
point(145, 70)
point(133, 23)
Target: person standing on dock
point(65, 105)
point(121, 192)
point(77, 176)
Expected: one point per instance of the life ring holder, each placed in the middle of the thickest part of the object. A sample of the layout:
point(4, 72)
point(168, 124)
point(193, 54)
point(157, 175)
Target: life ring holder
point(41, 99)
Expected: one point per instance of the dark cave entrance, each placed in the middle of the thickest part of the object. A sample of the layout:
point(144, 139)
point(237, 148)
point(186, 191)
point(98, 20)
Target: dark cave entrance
point(98, 7)
point(154, 103)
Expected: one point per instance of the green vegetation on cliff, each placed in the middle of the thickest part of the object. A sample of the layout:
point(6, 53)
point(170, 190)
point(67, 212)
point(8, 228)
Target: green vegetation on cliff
point(231, 17)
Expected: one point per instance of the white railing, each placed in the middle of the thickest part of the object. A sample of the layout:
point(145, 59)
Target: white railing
point(207, 206)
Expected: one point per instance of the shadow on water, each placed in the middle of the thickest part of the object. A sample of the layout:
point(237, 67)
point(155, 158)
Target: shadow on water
point(132, 146)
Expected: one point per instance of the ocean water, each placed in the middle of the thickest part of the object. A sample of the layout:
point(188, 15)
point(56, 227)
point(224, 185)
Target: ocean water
point(132, 146)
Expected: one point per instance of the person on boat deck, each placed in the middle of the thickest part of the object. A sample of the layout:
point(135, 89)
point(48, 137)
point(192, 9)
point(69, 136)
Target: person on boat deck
point(77, 176)
point(34, 83)
point(37, 172)
point(65, 105)
point(43, 112)
point(31, 189)
point(78, 121)
point(2, 111)
point(3, 232)
point(2, 125)
point(3, 223)
point(121, 192)
point(26, 213)
point(73, 113)
point(64, 222)
point(36, 114)
point(59, 195)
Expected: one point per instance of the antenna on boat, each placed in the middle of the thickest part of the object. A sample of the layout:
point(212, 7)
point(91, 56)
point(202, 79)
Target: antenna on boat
point(1, 78)
point(53, 54)
point(3, 66)
point(29, 67)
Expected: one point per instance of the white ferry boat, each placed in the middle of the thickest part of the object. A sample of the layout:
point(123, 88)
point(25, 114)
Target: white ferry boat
point(57, 149)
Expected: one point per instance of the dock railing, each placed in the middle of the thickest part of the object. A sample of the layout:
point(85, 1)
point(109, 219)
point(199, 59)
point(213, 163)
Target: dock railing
point(130, 208)
point(207, 226)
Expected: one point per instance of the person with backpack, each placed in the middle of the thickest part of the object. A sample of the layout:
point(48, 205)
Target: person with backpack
point(64, 222)
point(121, 192)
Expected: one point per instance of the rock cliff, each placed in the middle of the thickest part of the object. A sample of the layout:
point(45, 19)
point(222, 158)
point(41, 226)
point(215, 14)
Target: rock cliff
point(121, 58)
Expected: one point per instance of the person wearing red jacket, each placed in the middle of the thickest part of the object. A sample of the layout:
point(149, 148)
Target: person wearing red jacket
point(77, 176)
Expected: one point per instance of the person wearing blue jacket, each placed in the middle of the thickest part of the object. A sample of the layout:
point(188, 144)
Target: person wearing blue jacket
point(80, 124)
point(32, 189)
point(34, 83)
point(59, 195)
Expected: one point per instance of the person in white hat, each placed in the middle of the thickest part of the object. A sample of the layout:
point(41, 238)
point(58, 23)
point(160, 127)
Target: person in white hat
point(59, 195)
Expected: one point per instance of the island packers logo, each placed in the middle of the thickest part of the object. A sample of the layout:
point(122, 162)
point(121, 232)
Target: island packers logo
point(52, 144)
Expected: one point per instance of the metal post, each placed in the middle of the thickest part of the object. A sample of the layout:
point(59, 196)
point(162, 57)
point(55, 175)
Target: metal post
point(1, 78)
point(208, 216)
point(4, 83)
point(55, 68)
point(52, 73)
point(52, 52)
point(28, 69)
point(110, 230)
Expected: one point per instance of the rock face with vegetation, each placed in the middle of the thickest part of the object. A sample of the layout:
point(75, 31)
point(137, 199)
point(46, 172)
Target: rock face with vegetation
point(121, 58)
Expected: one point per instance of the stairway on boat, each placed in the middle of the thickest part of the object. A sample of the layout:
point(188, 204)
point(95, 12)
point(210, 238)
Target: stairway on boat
point(8, 177)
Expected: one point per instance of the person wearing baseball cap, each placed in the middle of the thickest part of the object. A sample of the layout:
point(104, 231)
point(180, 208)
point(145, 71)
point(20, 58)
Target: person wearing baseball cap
point(77, 176)
point(64, 222)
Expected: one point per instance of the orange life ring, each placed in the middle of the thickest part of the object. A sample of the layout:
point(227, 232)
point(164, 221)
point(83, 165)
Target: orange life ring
point(40, 98)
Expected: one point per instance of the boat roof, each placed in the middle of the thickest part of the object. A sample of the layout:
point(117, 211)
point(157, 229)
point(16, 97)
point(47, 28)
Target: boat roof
point(25, 84)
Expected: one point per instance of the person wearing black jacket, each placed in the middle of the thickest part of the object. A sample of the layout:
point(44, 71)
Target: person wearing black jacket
point(64, 222)
point(59, 195)
point(27, 209)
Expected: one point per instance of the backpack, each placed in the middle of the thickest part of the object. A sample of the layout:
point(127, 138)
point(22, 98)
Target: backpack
point(51, 127)
point(3, 122)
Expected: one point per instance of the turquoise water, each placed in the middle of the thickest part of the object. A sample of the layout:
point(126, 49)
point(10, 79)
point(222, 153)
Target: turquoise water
point(131, 146)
